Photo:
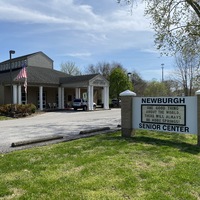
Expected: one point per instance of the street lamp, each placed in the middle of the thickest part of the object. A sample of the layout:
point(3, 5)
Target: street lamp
point(129, 76)
point(11, 89)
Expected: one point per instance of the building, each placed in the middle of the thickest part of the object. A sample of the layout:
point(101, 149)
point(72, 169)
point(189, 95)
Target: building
point(46, 87)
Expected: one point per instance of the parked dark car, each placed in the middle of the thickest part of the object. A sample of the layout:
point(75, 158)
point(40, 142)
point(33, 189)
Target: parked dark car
point(116, 103)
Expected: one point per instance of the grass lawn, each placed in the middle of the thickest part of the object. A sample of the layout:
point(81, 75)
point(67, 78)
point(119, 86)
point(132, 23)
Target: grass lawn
point(4, 118)
point(152, 165)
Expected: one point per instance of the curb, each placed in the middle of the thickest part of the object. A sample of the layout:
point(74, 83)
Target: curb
point(81, 136)
point(94, 130)
point(59, 139)
point(27, 142)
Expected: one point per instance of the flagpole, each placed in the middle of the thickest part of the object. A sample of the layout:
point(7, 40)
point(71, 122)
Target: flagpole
point(26, 90)
point(26, 84)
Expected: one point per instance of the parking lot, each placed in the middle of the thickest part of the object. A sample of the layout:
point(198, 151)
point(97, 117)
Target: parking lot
point(64, 123)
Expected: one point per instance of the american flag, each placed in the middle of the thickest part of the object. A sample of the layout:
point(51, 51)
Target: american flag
point(23, 74)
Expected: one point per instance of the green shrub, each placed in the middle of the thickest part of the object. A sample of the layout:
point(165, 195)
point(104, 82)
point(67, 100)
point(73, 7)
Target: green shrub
point(17, 110)
point(5, 109)
point(31, 108)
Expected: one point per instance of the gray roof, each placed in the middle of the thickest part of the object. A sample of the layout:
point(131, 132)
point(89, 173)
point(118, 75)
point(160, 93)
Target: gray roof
point(36, 76)
point(41, 75)
point(77, 79)
point(5, 76)
point(24, 57)
point(44, 76)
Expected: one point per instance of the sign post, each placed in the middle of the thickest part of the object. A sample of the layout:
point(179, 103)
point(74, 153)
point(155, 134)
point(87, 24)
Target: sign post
point(198, 117)
point(126, 113)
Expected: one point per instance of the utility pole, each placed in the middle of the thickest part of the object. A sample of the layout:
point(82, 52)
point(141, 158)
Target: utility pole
point(162, 71)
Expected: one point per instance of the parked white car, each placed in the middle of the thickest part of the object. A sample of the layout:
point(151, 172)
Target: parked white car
point(81, 104)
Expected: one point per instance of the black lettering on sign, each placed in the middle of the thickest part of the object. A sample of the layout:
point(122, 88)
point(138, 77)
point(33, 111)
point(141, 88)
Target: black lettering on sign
point(164, 114)
point(171, 128)
point(150, 126)
point(178, 100)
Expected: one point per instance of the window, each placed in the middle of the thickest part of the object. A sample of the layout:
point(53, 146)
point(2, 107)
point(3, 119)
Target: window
point(7, 67)
point(23, 98)
point(69, 98)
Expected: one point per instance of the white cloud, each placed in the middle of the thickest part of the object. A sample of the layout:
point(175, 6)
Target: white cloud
point(122, 20)
point(77, 16)
point(78, 55)
point(150, 50)
point(77, 29)
point(58, 12)
point(14, 13)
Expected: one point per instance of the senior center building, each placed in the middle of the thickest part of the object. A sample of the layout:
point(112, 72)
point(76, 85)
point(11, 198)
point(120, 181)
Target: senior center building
point(46, 87)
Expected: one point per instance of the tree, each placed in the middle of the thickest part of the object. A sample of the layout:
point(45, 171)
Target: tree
point(173, 87)
point(70, 68)
point(155, 88)
point(119, 82)
point(103, 68)
point(92, 69)
point(176, 23)
point(186, 72)
point(138, 83)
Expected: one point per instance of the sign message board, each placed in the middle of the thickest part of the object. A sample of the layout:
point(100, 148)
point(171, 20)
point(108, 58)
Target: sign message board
point(164, 114)
point(171, 114)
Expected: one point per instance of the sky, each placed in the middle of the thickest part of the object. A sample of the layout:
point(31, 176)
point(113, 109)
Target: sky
point(83, 32)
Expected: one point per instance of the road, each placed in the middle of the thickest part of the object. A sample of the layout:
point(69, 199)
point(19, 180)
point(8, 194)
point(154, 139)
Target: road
point(65, 123)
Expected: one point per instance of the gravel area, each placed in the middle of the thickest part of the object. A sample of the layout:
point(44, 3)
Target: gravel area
point(61, 123)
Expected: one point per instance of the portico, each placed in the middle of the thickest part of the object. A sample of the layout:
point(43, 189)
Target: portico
point(85, 87)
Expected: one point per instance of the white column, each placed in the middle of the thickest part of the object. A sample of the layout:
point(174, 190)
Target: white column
point(78, 93)
point(63, 98)
point(59, 97)
point(106, 97)
point(41, 98)
point(19, 94)
point(14, 94)
point(90, 97)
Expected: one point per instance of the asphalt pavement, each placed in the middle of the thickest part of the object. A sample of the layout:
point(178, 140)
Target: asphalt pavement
point(52, 124)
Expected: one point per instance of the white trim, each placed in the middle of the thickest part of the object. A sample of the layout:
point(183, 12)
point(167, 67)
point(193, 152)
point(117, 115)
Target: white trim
point(127, 93)
point(41, 97)
point(15, 94)
point(19, 94)
point(90, 97)
point(77, 93)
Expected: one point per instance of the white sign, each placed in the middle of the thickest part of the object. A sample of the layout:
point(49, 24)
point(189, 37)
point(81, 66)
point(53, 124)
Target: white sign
point(99, 82)
point(171, 114)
